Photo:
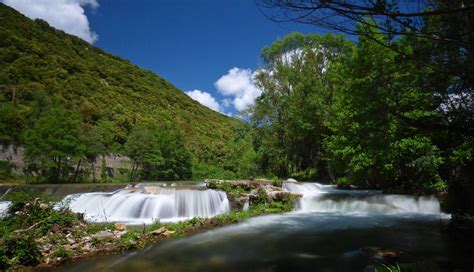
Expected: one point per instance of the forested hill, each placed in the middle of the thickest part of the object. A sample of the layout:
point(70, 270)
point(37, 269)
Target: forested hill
point(42, 66)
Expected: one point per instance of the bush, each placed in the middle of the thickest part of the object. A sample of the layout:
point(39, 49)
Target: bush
point(130, 241)
point(202, 171)
point(63, 253)
point(277, 182)
point(306, 175)
point(22, 249)
point(6, 170)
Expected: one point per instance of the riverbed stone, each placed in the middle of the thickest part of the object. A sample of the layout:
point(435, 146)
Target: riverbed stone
point(102, 235)
point(169, 233)
point(151, 190)
point(120, 226)
point(159, 231)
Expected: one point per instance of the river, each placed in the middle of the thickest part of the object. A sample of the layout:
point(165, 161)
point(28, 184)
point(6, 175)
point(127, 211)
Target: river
point(331, 230)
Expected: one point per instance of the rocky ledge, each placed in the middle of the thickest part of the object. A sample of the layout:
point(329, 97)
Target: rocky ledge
point(243, 192)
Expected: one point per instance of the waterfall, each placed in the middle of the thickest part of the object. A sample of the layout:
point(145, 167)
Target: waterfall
point(307, 187)
point(325, 198)
point(138, 206)
point(4, 208)
point(4, 205)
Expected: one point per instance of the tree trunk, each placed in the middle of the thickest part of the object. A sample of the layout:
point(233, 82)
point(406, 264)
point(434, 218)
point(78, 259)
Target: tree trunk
point(331, 173)
point(77, 171)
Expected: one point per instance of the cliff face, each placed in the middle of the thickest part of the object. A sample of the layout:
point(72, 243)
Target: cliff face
point(115, 165)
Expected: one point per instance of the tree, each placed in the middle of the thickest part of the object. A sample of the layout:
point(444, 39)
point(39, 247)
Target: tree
point(445, 26)
point(53, 142)
point(374, 143)
point(392, 18)
point(289, 116)
point(240, 155)
point(157, 154)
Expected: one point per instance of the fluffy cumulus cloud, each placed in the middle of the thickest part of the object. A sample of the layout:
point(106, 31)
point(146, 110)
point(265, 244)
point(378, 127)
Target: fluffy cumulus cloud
point(205, 99)
point(67, 15)
point(239, 84)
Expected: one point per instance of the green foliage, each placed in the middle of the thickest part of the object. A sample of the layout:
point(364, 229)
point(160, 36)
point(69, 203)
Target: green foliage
point(157, 154)
point(93, 228)
point(131, 240)
point(55, 139)
point(290, 116)
point(240, 155)
point(373, 142)
point(5, 170)
point(41, 66)
point(63, 253)
point(261, 197)
point(29, 209)
point(277, 182)
point(307, 174)
point(228, 188)
point(103, 169)
point(21, 250)
point(202, 171)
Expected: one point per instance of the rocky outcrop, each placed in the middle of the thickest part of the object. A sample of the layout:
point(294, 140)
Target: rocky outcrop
point(115, 164)
point(242, 192)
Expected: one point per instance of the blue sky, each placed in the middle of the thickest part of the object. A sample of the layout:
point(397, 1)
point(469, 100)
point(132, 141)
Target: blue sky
point(207, 48)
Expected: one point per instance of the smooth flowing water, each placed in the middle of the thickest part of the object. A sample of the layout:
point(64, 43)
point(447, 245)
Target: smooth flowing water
point(4, 207)
point(144, 204)
point(332, 230)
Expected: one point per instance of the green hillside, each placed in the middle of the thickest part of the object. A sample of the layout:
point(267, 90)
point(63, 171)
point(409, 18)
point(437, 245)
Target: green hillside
point(42, 66)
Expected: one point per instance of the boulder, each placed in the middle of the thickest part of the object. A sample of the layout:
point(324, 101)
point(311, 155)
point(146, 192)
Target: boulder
point(169, 233)
point(120, 226)
point(151, 190)
point(103, 235)
point(281, 195)
point(159, 231)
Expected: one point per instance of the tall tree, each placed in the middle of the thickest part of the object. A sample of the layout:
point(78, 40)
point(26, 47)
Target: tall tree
point(297, 93)
point(374, 142)
point(157, 154)
point(53, 142)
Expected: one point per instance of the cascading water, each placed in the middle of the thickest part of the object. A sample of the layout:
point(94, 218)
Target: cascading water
point(4, 207)
point(325, 198)
point(138, 206)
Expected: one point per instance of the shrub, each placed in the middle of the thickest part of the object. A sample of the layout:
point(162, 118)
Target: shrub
point(23, 249)
point(63, 253)
point(6, 170)
point(277, 182)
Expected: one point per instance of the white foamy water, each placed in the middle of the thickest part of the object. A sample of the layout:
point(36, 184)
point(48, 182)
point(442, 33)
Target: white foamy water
point(4, 207)
point(308, 187)
point(325, 198)
point(138, 207)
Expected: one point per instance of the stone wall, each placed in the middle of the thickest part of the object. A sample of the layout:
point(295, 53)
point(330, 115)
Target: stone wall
point(14, 154)
point(115, 163)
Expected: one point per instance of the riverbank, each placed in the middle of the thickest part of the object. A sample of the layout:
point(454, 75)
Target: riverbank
point(36, 234)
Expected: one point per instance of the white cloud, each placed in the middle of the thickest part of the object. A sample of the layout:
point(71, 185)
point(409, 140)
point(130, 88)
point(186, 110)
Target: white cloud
point(67, 15)
point(226, 102)
point(239, 84)
point(205, 99)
